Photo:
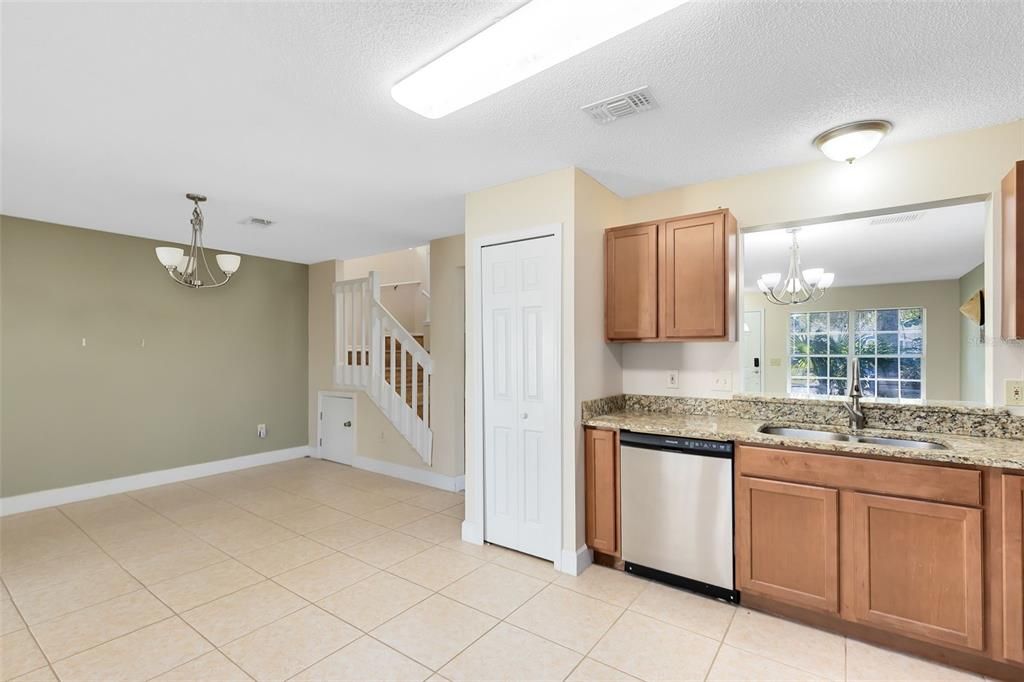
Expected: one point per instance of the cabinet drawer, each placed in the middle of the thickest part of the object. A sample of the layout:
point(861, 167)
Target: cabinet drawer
point(903, 479)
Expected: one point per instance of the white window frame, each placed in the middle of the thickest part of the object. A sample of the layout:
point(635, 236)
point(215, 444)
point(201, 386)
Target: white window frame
point(851, 351)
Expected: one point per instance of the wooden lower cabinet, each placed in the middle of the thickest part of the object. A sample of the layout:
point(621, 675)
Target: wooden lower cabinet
point(601, 465)
point(1013, 567)
point(787, 542)
point(914, 567)
point(925, 558)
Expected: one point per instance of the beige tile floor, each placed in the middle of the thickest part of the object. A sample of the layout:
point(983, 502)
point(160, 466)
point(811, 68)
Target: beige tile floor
point(309, 570)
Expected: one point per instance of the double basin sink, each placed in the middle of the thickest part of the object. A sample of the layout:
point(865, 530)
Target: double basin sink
point(813, 434)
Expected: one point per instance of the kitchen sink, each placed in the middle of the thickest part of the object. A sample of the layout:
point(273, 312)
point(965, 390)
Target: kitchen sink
point(814, 434)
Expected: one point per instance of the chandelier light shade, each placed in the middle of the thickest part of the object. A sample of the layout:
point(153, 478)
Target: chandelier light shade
point(851, 141)
point(184, 266)
point(799, 285)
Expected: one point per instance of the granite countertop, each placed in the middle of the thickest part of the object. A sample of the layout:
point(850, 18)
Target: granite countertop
point(990, 452)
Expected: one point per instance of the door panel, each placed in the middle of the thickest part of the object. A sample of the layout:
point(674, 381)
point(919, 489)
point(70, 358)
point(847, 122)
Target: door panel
point(1013, 568)
point(521, 414)
point(336, 430)
point(914, 567)
point(601, 467)
point(787, 542)
point(693, 278)
point(631, 282)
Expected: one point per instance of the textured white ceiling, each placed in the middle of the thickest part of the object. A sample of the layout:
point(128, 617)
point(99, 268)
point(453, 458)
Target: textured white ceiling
point(944, 243)
point(111, 112)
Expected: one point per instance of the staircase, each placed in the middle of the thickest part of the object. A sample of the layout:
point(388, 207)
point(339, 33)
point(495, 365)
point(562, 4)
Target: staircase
point(374, 353)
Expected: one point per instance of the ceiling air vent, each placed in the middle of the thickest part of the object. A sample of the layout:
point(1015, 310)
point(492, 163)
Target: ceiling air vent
point(256, 222)
point(898, 219)
point(620, 106)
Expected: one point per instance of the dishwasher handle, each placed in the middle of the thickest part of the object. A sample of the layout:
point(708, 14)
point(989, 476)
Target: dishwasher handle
point(699, 446)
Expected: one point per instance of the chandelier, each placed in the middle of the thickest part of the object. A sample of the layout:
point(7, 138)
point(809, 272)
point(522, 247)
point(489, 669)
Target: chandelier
point(799, 286)
point(184, 269)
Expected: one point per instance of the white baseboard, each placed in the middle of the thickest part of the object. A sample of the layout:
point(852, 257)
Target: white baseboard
point(576, 562)
point(86, 491)
point(407, 473)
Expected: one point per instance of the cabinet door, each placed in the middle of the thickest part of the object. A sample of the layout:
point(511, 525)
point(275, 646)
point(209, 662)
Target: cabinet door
point(787, 542)
point(601, 463)
point(631, 282)
point(1013, 568)
point(696, 277)
point(913, 567)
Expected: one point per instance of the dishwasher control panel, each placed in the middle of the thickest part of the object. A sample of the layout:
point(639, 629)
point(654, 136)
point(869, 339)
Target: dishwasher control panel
point(694, 445)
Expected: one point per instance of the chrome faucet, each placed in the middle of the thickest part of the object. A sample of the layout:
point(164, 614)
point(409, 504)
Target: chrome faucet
point(857, 420)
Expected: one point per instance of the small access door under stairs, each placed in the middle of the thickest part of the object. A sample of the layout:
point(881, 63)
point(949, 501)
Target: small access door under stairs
point(337, 429)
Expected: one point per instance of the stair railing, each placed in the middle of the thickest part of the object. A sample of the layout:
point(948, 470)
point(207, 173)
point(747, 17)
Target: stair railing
point(366, 337)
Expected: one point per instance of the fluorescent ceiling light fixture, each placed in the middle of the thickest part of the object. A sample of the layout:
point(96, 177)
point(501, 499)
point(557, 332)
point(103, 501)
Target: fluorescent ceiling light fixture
point(851, 141)
point(535, 37)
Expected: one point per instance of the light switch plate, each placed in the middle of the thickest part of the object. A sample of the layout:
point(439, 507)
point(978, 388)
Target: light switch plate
point(672, 379)
point(261, 430)
point(1014, 392)
point(722, 381)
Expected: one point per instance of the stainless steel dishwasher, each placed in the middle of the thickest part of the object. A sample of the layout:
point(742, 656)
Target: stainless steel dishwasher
point(677, 511)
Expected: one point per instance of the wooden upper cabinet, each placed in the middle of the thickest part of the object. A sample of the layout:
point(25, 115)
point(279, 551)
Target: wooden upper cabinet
point(697, 283)
point(1012, 191)
point(601, 466)
point(631, 282)
point(914, 568)
point(672, 280)
point(1013, 568)
point(787, 542)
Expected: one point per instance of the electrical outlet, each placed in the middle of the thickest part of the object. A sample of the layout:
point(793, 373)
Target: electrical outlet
point(261, 430)
point(722, 381)
point(1014, 392)
point(672, 379)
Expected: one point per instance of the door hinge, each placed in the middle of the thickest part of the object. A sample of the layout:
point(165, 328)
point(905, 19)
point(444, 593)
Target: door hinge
point(321, 442)
point(321, 415)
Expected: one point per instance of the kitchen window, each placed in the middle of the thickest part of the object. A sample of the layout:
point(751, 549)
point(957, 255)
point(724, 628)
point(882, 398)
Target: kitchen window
point(819, 349)
point(887, 343)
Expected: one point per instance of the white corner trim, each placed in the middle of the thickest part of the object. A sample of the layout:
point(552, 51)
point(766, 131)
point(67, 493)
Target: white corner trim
point(576, 562)
point(472, 533)
point(408, 473)
point(112, 486)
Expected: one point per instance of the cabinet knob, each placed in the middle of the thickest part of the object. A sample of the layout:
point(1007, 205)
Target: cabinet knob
point(525, 415)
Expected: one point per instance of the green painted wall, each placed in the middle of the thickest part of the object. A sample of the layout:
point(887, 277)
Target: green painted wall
point(215, 363)
point(972, 350)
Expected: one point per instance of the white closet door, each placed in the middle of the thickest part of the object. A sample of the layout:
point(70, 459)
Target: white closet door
point(521, 411)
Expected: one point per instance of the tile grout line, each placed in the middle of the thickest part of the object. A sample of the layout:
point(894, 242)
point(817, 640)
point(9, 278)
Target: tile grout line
point(174, 614)
point(721, 643)
point(28, 629)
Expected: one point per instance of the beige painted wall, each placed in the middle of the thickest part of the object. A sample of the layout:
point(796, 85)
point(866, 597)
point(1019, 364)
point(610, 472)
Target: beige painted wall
point(214, 365)
point(406, 303)
point(321, 336)
point(963, 164)
point(598, 363)
point(940, 299)
point(972, 349)
point(448, 352)
point(376, 437)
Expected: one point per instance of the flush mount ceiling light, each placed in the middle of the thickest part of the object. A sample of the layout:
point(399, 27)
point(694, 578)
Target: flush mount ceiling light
point(183, 269)
point(799, 286)
point(851, 141)
point(535, 37)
